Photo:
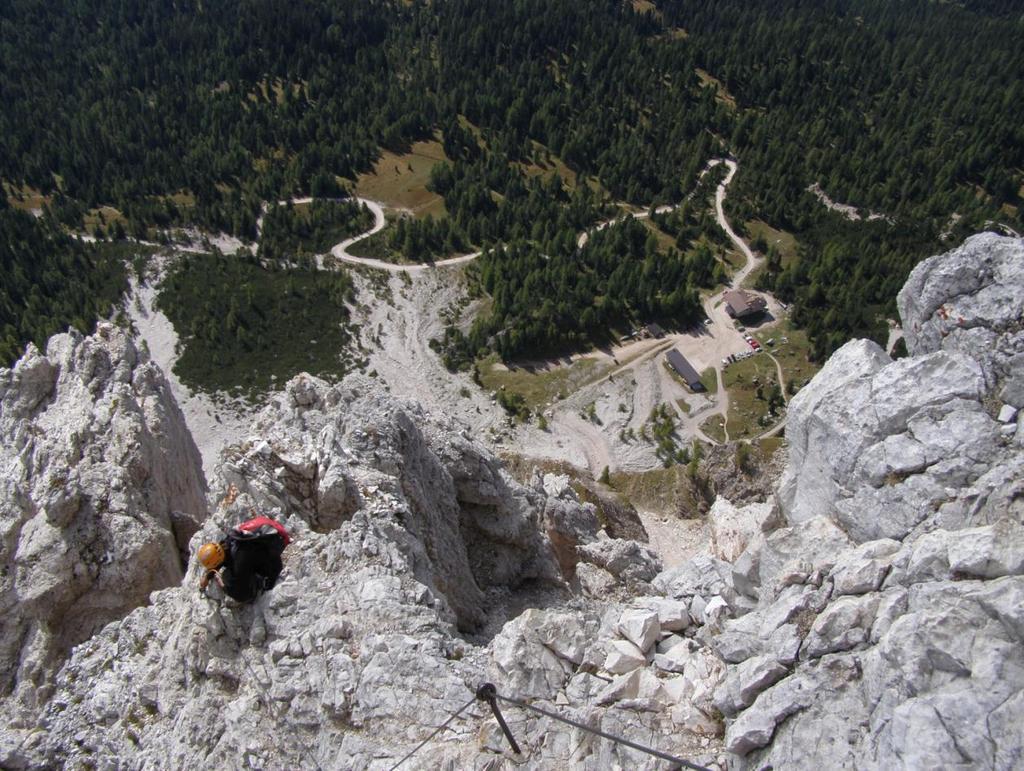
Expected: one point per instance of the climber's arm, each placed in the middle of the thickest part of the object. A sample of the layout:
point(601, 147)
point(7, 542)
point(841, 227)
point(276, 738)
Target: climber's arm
point(205, 580)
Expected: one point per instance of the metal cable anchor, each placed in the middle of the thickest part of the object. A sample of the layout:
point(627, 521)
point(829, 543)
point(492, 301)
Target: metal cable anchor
point(487, 692)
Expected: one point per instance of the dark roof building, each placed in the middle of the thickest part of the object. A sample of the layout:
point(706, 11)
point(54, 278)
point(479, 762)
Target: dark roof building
point(655, 330)
point(739, 303)
point(684, 369)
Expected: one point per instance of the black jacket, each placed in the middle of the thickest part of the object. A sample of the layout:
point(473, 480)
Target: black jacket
point(252, 564)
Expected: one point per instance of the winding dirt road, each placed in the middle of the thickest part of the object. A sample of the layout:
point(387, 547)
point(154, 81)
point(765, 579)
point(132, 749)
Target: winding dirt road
point(340, 251)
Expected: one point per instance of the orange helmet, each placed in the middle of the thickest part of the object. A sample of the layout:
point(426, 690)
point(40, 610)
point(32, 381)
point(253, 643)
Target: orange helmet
point(211, 555)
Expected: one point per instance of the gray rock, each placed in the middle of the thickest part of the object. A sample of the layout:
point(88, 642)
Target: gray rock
point(535, 653)
point(102, 490)
point(842, 625)
point(673, 615)
point(594, 581)
point(675, 658)
point(755, 726)
point(640, 627)
point(864, 569)
point(969, 299)
point(623, 657)
point(628, 561)
point(812, 545)
point(743, 683)
point(988, 552)
point(733, 528)
point(898, 436)
point(626, 686)
point(703, 575)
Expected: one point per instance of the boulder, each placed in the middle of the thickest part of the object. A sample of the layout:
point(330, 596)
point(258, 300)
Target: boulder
point(640, 627)
point(703, 576)
point(733, 528)
point(842, 625)
point(628, 561)
point(623, 657)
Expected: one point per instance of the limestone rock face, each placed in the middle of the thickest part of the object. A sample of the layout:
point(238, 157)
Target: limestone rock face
point(321, 453)
point(101, 489)
point(406, 536)
point(891, 448)
point(971, 301)
point(732, 528)
point(888, 627)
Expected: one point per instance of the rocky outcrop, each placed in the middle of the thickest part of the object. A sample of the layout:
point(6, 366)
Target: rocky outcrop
point(321, 454)
point(101, 490)
point(971, 301)
point(890, 449)
point(888, 630)
point(405, 534)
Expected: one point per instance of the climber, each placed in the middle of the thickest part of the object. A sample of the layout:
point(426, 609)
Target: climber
point(247, 561)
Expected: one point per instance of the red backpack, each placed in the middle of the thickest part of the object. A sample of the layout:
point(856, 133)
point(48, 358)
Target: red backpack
point(253, 526)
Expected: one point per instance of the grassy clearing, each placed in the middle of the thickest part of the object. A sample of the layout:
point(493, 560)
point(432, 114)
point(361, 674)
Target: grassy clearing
point(25, 198)
point(683, 405)
point(734, 259)
point(745, 409)
point(646, 6)
point(723, 95)
point(523, 469)
point(709, 379)
point(537, 387)
point(103, 219)
point(665, 241)
point(783, 240)
point(748, 413)
point(546, 163)
point(272, 90)
point(714, 428)
point(769, 446)
point(400, 181)
point(654, 490)
point(793, 355)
